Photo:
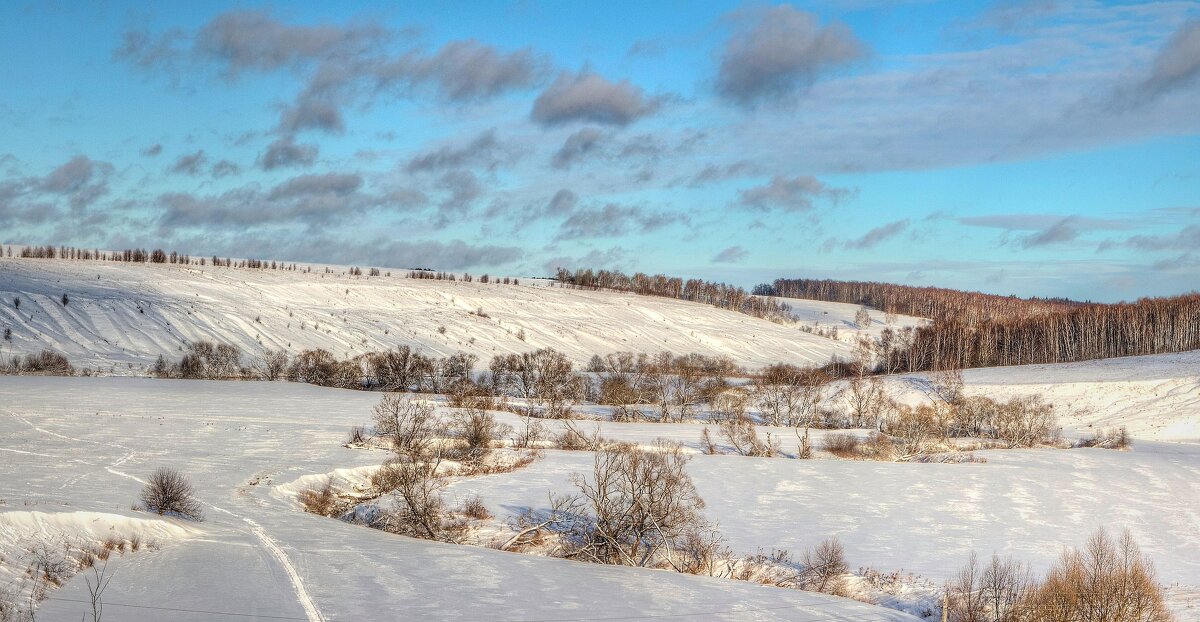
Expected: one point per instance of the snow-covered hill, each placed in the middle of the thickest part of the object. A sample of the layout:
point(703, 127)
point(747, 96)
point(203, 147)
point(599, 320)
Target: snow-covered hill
point(120, 317)
point(837, 319)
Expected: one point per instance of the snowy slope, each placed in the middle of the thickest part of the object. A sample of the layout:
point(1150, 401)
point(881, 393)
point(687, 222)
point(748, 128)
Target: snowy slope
point(258, 555)
point(830, 316)
point(1154, 397)
point(120, 317)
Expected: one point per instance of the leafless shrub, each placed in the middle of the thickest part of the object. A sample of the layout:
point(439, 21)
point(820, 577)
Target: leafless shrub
point(877, 447)
point(574, 439)
point(776, 569)
point(740, 433)
point(825, 567)
point(530, 433)
point(706, 443)
point(357, 436)
point(641, 508)
point(322, 501)
point(474, 508)
point(998, 592)
point(1026, 421)
point(410, 424)
point(1108, 580)
point(948, 385)
point(1108, 439)
point(841, 444)
point(168, 491)
point(96, 583)
point(271, 365)
point(416, 488)
point(478, 430)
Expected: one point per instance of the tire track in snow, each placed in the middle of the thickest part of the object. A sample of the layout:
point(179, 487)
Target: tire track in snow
point(306, 601)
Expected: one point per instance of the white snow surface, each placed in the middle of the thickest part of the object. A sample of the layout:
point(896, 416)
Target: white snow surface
point(251, 445)
point(1156, 397)
point(75, 445)
point(840, 316)
point(121, 317)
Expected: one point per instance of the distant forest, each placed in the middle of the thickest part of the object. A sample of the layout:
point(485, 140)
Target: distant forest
point(972, 329)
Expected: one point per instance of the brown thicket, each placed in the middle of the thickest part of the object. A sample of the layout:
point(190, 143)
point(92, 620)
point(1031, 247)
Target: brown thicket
point(971, 329)
point(1109, 580)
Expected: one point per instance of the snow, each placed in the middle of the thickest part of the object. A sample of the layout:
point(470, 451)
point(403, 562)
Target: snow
point(74, 444)
point(120, 317)
point(84, 442)
point(840, 316)
point(1156, 397)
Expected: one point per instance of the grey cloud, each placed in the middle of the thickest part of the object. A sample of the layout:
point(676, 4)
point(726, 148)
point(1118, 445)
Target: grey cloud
point(781, 51)
point(467, 70)
point(792, 194)
point(612, 258)
point(1065, 230)
point(1033, 222)
point(310, 113)
point(1186, 260)
point(1186, 239)
point(612, 220)
point(189, 164)
point(81, 179)
point(328, 183)
point(285, 152)
point(152, 150)
point(733, 254)
point(878, 235)
point(719, 172)
point(254, 40)
point(1178, 63)
point(462, 188)
point(309, 200)
point(576, 147)
point(224, 168)
point(69, 177)
point(483, 149)
point(452, 255)
point(588, 96)
point(562, 203)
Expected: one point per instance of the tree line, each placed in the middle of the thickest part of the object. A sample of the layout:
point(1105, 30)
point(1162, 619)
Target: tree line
point(971, 329)
point(719, 295)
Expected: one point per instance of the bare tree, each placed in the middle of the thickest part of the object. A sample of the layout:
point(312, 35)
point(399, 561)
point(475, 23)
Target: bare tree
point(168, 491)
point(641, 507)
point(410, 423)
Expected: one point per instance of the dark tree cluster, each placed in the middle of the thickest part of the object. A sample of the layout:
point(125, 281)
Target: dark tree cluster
point(980, 330)
point(1148, 326)
point(935, 303)
point(718, 295)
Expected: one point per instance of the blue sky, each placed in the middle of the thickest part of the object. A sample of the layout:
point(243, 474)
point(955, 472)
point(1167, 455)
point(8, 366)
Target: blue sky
point(1043, 148)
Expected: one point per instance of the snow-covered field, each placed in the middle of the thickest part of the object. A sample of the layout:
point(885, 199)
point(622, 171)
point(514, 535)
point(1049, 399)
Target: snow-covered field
point(120, 317)
point(73, 449)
